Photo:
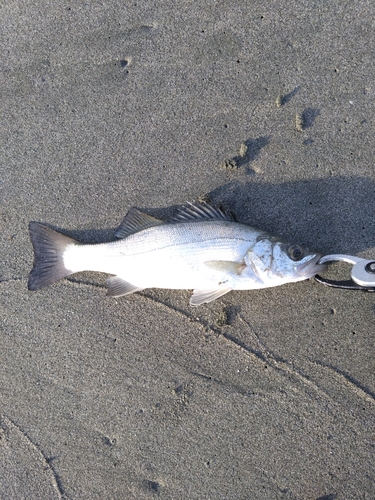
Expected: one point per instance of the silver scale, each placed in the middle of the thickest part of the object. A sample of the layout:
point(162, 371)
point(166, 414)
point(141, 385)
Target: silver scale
point(362, 273)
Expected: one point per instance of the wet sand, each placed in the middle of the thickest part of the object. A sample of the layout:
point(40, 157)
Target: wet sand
point(264, 108)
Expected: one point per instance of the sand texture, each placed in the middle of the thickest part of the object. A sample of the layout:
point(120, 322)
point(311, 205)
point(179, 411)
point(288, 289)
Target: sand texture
point(265, 108)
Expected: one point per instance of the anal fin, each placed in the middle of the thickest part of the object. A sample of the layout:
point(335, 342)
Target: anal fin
point(117, 287)
point(200, 297)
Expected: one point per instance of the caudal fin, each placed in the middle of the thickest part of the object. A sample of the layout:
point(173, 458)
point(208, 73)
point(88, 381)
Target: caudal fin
point(49, 247)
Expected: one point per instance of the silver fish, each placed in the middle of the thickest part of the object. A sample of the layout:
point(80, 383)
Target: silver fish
point(201, 248)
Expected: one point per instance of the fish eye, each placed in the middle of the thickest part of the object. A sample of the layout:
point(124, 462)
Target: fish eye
point(295, 252)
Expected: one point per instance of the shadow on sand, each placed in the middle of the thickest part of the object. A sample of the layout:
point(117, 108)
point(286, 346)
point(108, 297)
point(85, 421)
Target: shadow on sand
point(331, 215)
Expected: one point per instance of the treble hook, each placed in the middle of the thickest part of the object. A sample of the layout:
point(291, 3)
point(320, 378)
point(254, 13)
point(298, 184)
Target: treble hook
point(362, 273)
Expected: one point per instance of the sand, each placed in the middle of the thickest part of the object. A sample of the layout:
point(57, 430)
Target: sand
point(263, 107)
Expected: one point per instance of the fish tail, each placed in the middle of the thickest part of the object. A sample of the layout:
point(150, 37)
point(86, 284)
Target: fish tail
point(49, 247)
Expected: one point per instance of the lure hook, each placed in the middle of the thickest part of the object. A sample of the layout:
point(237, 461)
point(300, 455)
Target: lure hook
point(362, 273)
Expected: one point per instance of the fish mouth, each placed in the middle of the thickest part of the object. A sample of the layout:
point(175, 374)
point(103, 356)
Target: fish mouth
point(311, 267)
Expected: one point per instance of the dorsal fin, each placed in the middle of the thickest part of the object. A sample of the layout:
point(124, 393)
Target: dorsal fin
point(199, 211)
point(135, 221)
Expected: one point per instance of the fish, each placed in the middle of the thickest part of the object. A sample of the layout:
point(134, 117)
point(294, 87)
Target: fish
point(200, 248)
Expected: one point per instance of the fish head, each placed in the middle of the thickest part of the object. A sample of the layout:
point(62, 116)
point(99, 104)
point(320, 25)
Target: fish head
point(276, 262)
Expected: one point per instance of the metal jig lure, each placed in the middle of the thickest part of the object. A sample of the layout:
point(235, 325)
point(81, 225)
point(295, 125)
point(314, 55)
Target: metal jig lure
point(362, 273)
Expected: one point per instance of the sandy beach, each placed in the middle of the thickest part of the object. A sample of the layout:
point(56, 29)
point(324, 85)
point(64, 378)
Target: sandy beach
point(263, 108)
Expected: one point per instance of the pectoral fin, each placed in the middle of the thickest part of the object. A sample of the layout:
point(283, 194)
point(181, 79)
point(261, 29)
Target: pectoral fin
point(117, 287)
point(226, 266)
point(200, 297)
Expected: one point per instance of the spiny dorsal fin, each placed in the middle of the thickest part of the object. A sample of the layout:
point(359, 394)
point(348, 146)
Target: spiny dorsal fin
point(135, 221)
point(199, 211)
